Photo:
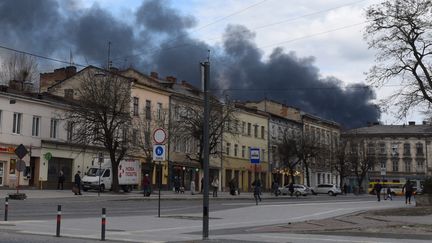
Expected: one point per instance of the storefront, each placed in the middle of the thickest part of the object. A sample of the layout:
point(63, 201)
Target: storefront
point(9, 174)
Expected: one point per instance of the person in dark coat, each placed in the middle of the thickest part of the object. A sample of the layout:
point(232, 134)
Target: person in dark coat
point(77, 183)
point(377, 189)
point(409, 189)
point(257, 188)
point(291, 189)
point(146, 185)
point(61, 179)
point(177, 184)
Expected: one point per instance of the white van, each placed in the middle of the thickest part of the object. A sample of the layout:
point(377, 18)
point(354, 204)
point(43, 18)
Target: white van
point(128, 175)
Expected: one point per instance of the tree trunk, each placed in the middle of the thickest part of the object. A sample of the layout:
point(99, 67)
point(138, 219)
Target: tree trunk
point(307, 175)
point(114, 167)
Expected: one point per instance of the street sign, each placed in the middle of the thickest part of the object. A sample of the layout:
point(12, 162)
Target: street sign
point(255, 155)
point(158, 152)
point(21, 165)
point(383, 171)
point(159, 136)
point(21, 151)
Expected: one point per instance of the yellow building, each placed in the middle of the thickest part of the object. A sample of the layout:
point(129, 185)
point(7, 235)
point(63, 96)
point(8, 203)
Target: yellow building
point(252, 133)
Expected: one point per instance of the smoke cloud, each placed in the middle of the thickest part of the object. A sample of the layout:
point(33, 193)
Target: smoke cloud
point(156, 38)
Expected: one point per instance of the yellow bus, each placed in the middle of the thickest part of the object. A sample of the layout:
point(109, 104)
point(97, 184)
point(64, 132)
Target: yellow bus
point(395, 187)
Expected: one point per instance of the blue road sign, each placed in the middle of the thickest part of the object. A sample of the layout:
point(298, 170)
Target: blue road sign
point(159, 152)
point(255, 155)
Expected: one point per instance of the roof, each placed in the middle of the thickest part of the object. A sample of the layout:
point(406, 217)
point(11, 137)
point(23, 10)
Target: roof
point(392, 130)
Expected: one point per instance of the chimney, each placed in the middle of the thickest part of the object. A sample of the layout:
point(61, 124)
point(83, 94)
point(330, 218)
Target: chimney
point(171, 79)
point(70, 71)
point(411, 123)
point(154, 75)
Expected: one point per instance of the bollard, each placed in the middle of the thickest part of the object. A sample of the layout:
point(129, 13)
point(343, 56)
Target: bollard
point(58, 220)
point(6, 209)
point(103, 224)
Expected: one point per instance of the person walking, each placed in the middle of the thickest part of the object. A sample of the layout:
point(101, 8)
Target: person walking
point(61, 179)
point(257, 190)
point(291, 189)
point(276, 188)
point(389, 194)
point(77, 183)
point(177, 184)
point(215, 185)
point(377, 189)
point(409, 189)
point(146, 185)
point(232, 187)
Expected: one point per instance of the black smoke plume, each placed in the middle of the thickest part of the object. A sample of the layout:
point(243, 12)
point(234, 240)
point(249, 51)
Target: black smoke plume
point(155, 37)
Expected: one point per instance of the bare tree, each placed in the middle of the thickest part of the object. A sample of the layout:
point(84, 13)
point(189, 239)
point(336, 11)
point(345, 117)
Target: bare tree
point(401, 32)
point(343, 164)
point(143, 126)
point(20, 71)
point(288, 151)
point(101, 115)
point(190, 124)
point(311, 152)
point(362, 158)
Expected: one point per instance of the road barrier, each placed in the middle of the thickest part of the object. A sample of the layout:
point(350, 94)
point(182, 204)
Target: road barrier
point(58, 220)
point(6, 209)
point(103, 224)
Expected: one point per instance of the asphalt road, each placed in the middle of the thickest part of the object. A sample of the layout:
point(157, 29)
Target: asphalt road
point(82, 207)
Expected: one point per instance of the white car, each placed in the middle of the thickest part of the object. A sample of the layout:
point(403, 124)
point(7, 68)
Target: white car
point(330, 189)
point(299, 190)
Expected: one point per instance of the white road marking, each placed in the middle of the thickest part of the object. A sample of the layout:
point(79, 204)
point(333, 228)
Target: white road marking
point(319, 239)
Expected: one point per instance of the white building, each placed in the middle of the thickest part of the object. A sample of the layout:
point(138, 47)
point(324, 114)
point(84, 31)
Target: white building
point(34, 121)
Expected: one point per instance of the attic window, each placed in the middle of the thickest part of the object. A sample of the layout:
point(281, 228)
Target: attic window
point(68, 93)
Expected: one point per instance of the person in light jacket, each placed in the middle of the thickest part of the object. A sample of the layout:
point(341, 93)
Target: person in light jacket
point(215, 185)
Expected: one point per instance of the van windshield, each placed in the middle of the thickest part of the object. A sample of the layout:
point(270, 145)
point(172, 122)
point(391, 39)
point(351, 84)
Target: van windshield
point(94, 172)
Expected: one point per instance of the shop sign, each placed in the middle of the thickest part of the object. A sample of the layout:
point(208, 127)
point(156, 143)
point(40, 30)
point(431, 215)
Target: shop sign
point(7, 149)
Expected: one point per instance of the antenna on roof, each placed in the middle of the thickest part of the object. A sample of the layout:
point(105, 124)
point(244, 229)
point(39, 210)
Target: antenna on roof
point(208, 55)
point(70, 57)
point(109, 52)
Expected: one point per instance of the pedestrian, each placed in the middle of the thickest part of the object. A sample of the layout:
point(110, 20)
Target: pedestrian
point(257, 190)
point(146, 185)
point(377, 189)
point(192, 187)
point(177, 184)
point(291, 188)
point(61, 179)
point(409, 189)
point(276, 188)
point(77, 183)
point(215, 185)
point(389, 194)
point(345, 188)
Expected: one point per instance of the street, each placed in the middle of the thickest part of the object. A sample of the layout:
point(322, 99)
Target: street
point(132, 217)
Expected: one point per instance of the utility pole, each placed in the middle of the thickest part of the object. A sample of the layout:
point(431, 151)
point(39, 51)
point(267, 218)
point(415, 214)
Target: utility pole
point(205, 72)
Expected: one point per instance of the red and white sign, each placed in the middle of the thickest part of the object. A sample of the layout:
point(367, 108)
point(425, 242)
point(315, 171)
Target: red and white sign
point(159, 136)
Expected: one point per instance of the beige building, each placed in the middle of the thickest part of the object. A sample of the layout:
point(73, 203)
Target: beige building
point(402, 151)
point(252, 129)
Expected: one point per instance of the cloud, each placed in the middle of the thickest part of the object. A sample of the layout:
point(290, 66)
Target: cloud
point(157, 38)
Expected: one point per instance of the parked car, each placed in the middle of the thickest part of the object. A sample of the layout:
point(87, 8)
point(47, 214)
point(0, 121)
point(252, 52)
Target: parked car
point(330, 189)
point(299, 190)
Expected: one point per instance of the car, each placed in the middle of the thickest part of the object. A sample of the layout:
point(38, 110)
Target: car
point(329, 189)
point(299, 190)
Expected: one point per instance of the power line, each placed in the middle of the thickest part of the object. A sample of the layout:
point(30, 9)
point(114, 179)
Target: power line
point(39, 56)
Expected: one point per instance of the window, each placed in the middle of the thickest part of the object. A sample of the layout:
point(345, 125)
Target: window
point(249, 129)
point(243, 127)
point(256, 131)
point(69, 130)
point(407, 149)
point(159, 111)
point(419, 149)
point(371, 148)
point(395, 165)
point(53, 128)
point(420, 165)
point(262, 132)
point(69, 93)
point(243, 151)
point(106, 173)
point(262, 154)
point(394, 150)
point(35, 126)
point(135, 106)
point(407, 165)
point(147, 138)
point(383, 165)
point(148, 110)
point(17, 117)
point(382, 148)
point(134, 136)
point(249, 148)
point(319, 178)
point(235, 150)
point(228, 145)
